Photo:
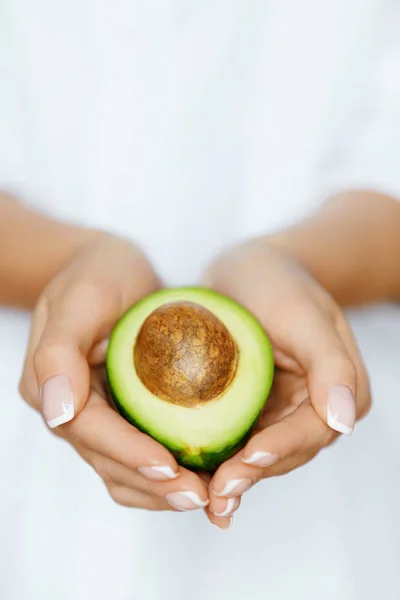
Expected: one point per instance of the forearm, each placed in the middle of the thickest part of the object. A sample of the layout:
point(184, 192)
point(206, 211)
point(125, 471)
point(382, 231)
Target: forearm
point(33, 248)
point(351, 246)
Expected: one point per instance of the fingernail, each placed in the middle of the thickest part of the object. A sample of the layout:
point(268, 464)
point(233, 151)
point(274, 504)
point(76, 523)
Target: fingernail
point(226, 525)
point(57, 401)
point(341, 409)
point(231, 505)
point(185, 500)
point(261, 459)
point(159, 473)
point(235, 487)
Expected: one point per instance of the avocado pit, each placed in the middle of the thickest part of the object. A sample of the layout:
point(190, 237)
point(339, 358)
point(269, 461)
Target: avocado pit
point(184, 354)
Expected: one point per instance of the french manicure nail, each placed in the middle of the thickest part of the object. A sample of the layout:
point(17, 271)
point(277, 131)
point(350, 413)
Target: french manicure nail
point(341, 412)
point(57, 401)
point(231, 504)
point(261, 459)
point(235, 487)
point(185, 500)
point(158, 473)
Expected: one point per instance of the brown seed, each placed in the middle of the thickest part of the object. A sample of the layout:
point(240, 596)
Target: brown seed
point(184, 354)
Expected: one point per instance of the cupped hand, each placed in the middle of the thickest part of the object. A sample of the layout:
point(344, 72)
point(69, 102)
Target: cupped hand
point(321, 386)
point(63, 376)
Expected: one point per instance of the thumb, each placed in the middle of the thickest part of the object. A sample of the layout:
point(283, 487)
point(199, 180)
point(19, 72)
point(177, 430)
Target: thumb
point(331, 373)
point(332, 383)
point(74, 326)
point(311, 337)
point(62, 375)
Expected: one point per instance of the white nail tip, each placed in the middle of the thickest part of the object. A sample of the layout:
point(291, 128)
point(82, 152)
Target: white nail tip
point(67, 415)
point(256, 456)
point(230, 486)
point(193, 497)
point(230, 505)
point(165, 470)
point(337, 425)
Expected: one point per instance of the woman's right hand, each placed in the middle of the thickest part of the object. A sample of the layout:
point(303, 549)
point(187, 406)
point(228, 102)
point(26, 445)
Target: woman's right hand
point(64, 374)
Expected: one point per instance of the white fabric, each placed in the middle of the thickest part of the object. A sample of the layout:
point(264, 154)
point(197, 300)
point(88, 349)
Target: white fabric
point(187, 126)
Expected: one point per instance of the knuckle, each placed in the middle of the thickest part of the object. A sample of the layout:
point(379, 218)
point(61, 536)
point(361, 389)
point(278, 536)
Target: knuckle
point(101, 467)
point(343, 366)
point(46, 354)
point(132, 499)
point(296, 461)
point(120, 496)
point(337, 364)
point(288, 467)
point(115, 493)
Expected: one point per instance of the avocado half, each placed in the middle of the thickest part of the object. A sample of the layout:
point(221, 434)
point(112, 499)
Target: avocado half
point(192, 369)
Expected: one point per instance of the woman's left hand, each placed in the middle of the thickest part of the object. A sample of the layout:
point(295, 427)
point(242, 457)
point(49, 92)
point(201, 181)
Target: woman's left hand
point(321, 385)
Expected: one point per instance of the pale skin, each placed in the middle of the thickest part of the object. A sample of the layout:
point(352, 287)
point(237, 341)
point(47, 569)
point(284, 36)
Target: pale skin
point(78, 282)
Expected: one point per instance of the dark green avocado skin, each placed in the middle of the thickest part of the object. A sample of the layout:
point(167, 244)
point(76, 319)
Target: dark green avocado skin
point(203, 461)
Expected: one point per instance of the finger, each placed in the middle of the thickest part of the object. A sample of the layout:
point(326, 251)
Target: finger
point(225, 507)
point(332, 383)
point(113, 472)
point(298, 436)
point(101, 430)
point(188, 492)
point(136, 499)
point(302, 431)
point(221, 522)
point(363, 397)
point(331, 373)
point(76, 321)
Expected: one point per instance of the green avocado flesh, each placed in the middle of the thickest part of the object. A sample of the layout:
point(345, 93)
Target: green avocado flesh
point(204, 435)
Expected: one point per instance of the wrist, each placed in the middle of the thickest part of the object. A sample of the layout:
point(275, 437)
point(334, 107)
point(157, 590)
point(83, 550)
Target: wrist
point(34, 249)
point(305, 245)
point(350, 246)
